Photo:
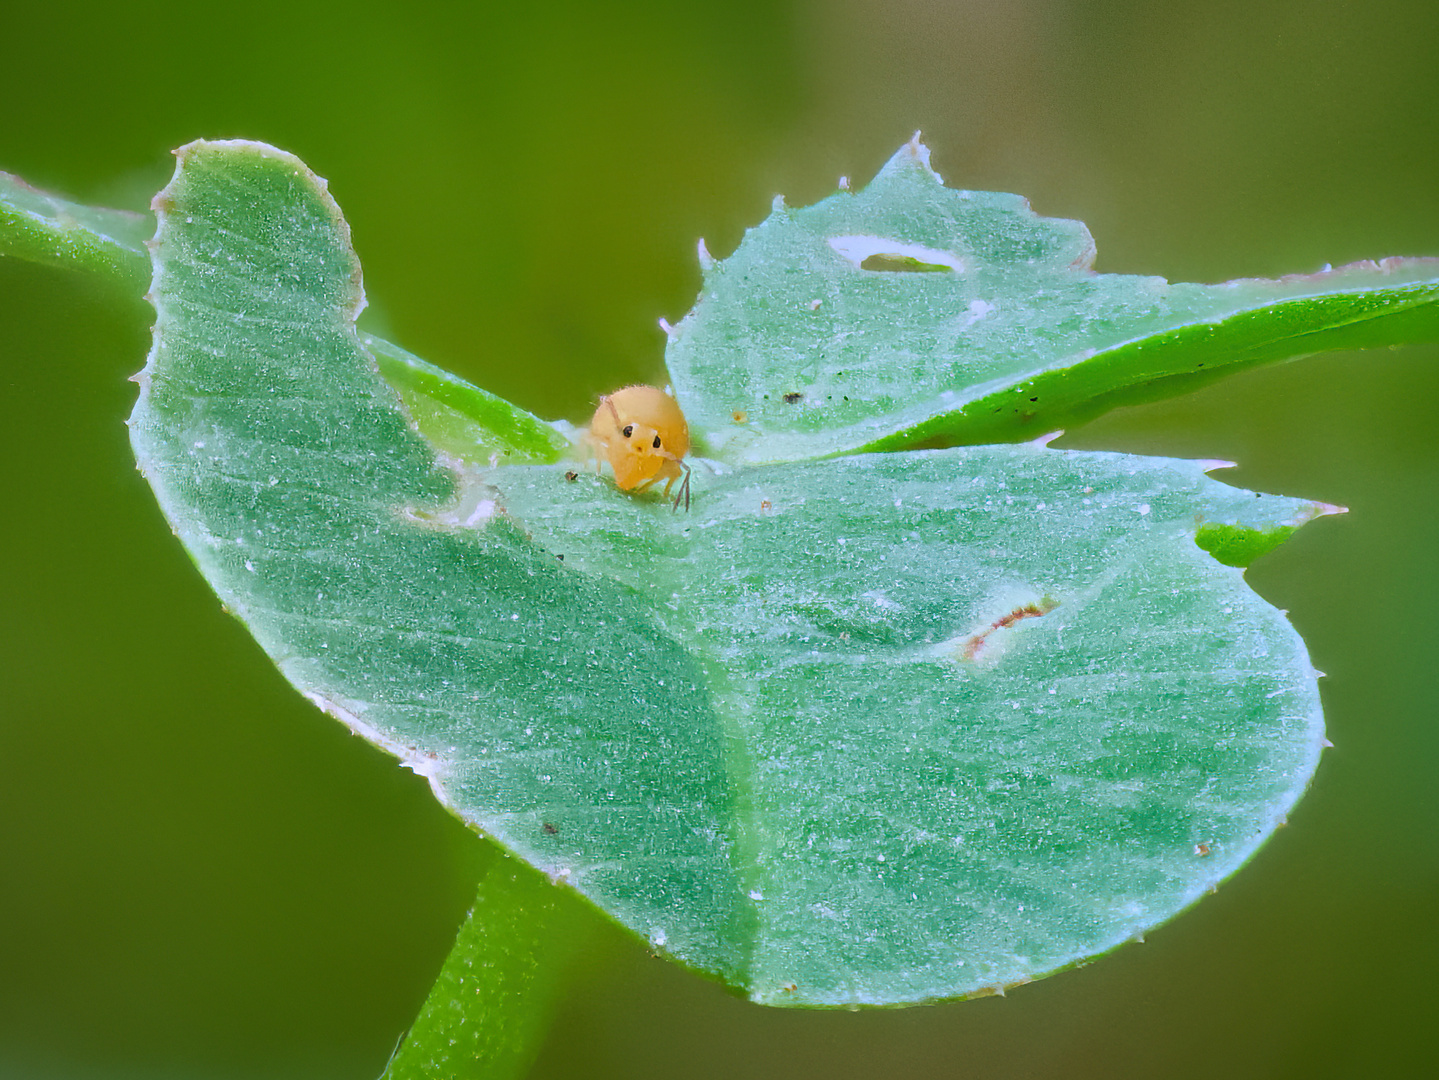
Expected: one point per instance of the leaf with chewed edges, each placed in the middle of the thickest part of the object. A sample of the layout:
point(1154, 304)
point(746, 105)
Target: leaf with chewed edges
point(873, 730)
point(909, 313)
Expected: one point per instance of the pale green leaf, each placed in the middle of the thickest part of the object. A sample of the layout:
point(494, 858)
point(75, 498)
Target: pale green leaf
point(872, 730)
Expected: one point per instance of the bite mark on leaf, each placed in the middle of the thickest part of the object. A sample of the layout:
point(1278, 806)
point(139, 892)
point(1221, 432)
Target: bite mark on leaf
point(984, 641)
point(474, 504)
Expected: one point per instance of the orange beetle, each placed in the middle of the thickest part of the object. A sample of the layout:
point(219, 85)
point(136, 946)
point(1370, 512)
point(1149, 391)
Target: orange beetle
point(641, 432)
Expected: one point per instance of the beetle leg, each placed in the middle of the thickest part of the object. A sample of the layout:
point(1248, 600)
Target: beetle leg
point(684, 491)
point(676, 469)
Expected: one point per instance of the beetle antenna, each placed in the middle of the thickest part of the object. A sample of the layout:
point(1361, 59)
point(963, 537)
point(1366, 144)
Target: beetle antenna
point(608, 400)
point(605, 399)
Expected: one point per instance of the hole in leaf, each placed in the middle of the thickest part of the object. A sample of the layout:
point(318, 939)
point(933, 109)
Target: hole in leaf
point(905, 264)
point(887, 253)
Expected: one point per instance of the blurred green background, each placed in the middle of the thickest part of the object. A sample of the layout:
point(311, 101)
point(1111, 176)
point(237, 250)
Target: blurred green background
point(201, 876)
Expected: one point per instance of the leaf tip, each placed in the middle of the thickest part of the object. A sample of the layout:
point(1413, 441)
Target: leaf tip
point(913, 155)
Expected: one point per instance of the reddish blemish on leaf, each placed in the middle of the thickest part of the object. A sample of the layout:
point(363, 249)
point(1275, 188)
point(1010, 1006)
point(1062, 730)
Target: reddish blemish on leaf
point(971, 648)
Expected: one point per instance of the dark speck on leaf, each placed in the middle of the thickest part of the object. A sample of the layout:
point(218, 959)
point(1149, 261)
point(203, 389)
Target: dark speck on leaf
point(551, 829)
point(793, 397)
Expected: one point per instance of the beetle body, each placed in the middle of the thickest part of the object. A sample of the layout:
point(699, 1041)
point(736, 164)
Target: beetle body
point(642, 433)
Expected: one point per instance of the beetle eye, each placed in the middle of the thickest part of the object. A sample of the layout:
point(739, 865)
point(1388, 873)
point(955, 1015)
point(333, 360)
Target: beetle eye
point(628, 431)
point(657, 442)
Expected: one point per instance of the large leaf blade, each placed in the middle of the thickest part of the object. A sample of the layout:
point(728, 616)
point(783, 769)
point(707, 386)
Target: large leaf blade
point(803, 737)
point(999, 712)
